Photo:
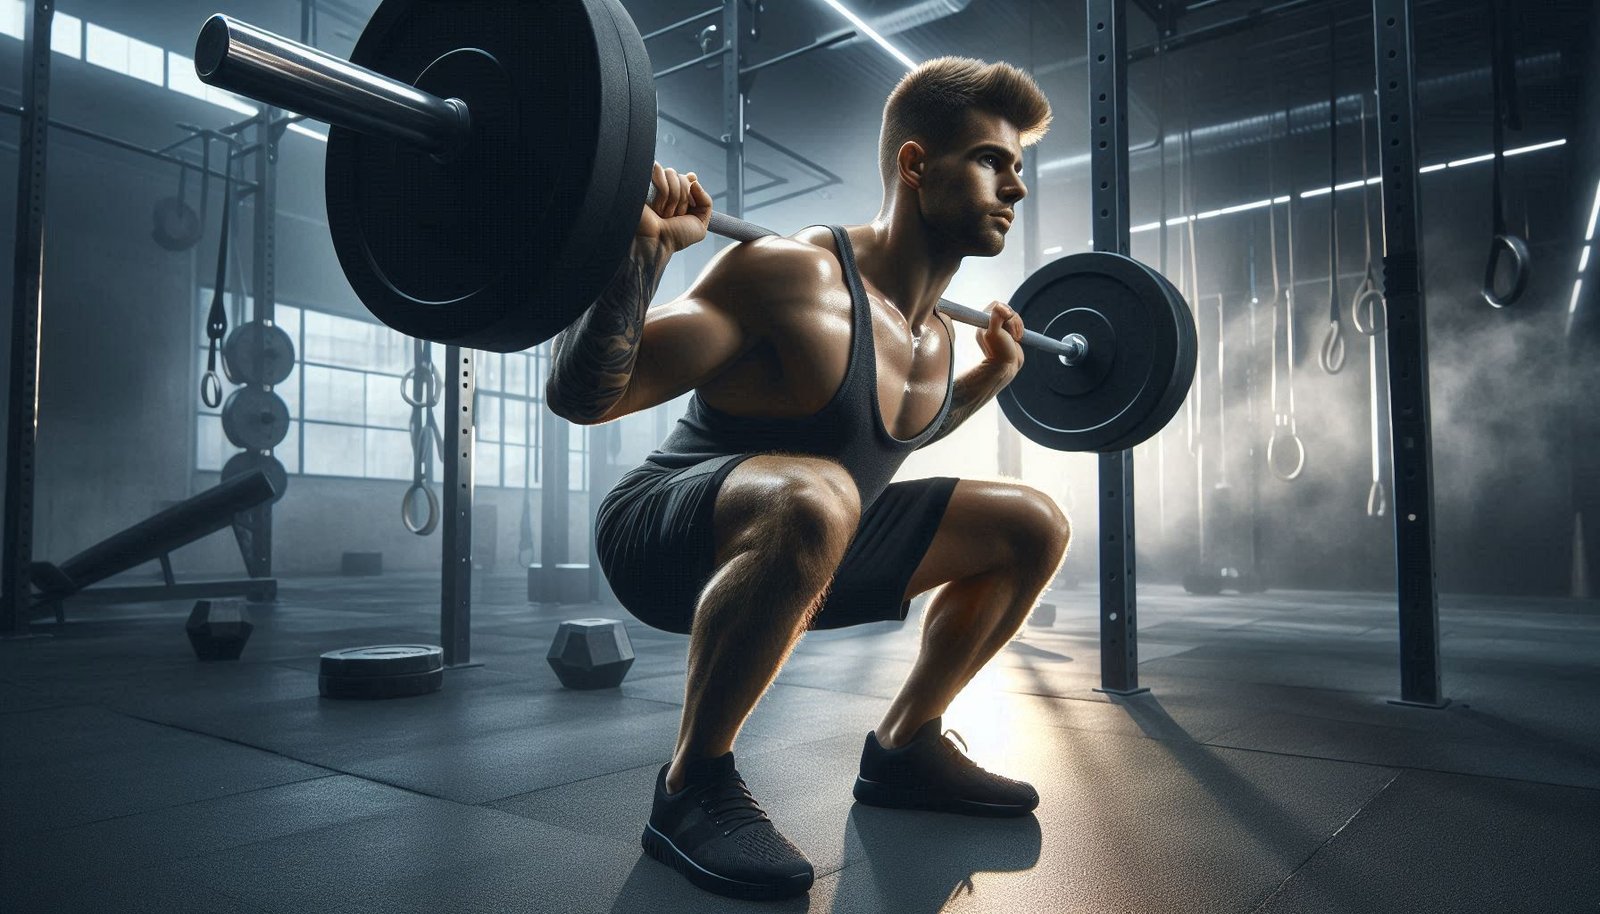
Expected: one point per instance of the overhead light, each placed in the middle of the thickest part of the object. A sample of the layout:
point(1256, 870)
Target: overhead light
point(1583, 259)
point(1577, 288)
point(1053, 249)
point(1535, 148)
point(1230, 210)
point(867, 30)
point(1594, 211)
point(307, 131)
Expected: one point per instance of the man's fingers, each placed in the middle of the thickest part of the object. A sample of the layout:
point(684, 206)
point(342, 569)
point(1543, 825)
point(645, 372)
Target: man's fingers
point(1001, 315)
point(701, 198)
point(658, 177)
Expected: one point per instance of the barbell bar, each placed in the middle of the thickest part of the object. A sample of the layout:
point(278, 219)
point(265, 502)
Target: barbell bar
point(481, 170)
point(268, 67)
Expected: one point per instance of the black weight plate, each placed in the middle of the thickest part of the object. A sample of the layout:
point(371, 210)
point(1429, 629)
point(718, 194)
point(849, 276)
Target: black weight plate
point(1182, 377)
point(255, 419)
point(256, 353)
point(383, 660)
point(1115, 398)
point(403, 685)
point(249, 461)
point(506, 241)
point(175, 225)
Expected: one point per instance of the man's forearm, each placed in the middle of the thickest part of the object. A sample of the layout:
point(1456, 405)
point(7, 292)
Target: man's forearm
point(592, 360)
point(972, 390)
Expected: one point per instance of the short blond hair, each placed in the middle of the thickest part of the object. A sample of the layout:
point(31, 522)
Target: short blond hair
point(934, 99)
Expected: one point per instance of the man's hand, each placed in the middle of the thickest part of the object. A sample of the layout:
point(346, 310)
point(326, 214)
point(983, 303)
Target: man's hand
point(681, 213)
point(1001, 341)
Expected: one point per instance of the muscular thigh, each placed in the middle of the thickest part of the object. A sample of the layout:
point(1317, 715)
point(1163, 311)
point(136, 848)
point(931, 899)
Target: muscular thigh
point(766, 487)
point(989, 525)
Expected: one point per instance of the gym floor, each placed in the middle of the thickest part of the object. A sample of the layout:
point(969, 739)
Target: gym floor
point(1265, 771)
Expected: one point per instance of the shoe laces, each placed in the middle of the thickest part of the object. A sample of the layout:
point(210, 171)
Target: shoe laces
point(729, 803)
point(958, 754)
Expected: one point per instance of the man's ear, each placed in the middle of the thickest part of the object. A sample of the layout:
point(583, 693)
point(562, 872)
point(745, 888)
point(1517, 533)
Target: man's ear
point(912, 160)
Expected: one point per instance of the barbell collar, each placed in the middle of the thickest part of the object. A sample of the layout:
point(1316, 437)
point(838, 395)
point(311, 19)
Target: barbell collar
point(270, 68)
point(1077, 349)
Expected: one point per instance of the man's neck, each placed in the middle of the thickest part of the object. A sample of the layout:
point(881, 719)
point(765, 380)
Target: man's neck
point(901, 261)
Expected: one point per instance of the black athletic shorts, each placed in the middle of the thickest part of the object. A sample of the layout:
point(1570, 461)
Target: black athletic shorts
point(655, 543)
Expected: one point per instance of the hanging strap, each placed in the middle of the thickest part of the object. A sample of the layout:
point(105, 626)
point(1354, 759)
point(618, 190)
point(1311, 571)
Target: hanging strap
point(217, 320)
point(1286, 453)
point(419, 507)
point(1507, 112)
point(1332, 356)
point(1366, 305)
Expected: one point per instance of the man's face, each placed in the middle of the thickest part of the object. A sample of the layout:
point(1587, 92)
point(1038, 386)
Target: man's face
point(971, 186)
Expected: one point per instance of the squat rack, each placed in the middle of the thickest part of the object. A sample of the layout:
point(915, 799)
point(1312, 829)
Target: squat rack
point(1411, 431)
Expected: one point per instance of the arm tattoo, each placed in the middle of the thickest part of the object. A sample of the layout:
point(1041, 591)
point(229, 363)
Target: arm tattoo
point(592, 361)
point(972, 391)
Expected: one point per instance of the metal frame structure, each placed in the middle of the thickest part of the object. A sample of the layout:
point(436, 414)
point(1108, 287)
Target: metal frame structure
point(1411, 422)
point(254, 528)
point(22, 434)
point(1108, 176)
point(455, 586)
point(1410, 418)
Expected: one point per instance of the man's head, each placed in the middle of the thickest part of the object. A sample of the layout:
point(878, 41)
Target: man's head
point(953, 133)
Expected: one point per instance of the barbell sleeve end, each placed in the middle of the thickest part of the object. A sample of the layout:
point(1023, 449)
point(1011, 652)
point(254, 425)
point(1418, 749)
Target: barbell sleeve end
point(261, 65)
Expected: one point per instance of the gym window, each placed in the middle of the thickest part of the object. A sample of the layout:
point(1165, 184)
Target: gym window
point(346, 415)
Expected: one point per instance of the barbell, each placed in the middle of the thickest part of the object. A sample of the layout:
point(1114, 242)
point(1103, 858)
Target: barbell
point(488, 160)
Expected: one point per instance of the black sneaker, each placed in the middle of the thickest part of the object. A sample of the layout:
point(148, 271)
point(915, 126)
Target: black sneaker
point(929, 772)
point(718, 837)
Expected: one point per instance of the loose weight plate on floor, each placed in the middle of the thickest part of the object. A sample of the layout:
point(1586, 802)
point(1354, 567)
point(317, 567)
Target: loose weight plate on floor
point(1140, 360)
point(382, 671)
point(504, 242)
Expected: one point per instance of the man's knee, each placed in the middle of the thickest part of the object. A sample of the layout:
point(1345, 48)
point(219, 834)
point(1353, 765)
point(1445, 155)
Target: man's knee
point(808, 507)
point(1040, 530)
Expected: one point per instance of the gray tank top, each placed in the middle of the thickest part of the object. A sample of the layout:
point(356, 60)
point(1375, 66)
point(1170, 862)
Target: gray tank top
point(849, 429)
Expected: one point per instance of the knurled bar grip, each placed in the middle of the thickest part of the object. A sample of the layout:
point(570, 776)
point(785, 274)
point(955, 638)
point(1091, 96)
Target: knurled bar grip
point(270, 68)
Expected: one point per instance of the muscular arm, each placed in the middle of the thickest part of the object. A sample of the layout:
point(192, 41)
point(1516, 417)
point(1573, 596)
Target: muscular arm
point(616, 360)
point(592, 361)
point(973, 389)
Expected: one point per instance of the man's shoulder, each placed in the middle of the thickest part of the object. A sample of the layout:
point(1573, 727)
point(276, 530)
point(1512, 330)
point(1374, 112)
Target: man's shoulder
point(770, 267)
